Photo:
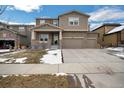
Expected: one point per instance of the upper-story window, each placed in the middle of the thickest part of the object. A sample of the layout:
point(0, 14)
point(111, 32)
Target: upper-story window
point(21, 29)
point(73, 21)
point(55, 22)
point(42, 21)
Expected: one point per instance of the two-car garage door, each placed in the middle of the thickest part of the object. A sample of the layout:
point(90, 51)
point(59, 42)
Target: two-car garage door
point(73, 43)
point(73, 40)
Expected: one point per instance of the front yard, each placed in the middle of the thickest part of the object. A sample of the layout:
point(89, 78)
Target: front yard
point(23, 56)
point(37, 56)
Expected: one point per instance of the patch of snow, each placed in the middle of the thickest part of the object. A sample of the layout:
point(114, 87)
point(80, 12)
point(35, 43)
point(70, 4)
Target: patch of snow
point(117, 29)
point(5, 75)
point(25, 75)
point(14, 75)
point(20, 60)
point(53, 57)
point(118, 49)
point(4, 50)
point(60, 74)
point(2, 60)
point(18, 51)
point(121, 55)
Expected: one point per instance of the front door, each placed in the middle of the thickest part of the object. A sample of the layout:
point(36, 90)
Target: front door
point(55, 39)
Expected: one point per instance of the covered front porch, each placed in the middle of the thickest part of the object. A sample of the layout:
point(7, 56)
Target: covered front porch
point(47, 37)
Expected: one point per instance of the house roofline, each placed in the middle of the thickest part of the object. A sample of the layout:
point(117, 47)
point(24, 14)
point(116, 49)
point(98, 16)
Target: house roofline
point(107, 24)
point(13, 31)
point(48, 25)
point(74, 11)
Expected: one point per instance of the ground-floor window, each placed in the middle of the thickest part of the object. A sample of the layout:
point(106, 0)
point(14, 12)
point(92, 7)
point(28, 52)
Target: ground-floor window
point(44, 37)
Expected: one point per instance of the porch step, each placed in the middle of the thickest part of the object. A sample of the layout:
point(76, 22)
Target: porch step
point(54, 47)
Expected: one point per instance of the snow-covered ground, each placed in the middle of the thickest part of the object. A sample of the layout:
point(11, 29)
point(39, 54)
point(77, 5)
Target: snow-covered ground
point(4, 50)
point(21, 60)
point(52, 57)
point(117, 51)
point(12, 60)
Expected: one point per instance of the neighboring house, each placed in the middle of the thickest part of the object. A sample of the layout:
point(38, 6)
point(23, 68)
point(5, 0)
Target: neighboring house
point(69, 30)
point(102, 30)
point(24, 30)
point(115, 37)
point(16, 36)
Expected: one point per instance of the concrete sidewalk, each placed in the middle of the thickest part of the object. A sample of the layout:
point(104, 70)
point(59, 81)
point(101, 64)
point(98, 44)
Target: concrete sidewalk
point(86, 68)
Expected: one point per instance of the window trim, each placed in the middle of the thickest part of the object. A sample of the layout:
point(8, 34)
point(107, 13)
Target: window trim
point(42, 36)
point(55, 21)
point(42, 21)
point(73, 21)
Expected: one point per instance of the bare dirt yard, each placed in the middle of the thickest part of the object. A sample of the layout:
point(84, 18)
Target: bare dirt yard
point(38, 81)
point(28, 57)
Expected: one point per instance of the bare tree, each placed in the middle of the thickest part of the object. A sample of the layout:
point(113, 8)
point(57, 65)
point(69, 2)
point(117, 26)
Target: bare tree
point(2, 8)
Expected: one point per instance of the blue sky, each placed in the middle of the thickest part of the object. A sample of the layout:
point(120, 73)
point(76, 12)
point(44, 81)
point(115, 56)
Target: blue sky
point(27, 13)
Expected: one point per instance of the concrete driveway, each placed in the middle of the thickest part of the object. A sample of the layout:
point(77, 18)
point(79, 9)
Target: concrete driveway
point(102, 69)
point(88, 55)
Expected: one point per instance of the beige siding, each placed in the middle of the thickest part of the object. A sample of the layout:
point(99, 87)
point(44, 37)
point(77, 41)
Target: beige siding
point(108, 28)
point(100, 31)
point(122, 35)
point(7, 35)
point(83, 22)
point(50, 21)
point(111, 39)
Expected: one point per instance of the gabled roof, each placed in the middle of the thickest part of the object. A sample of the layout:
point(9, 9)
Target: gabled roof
point(74, 12)
point(106, 24)
point(116, 29)
point(13, 31)
point(47, 24)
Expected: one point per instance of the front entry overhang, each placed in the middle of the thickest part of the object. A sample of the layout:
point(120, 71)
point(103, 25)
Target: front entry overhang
point(47, 27)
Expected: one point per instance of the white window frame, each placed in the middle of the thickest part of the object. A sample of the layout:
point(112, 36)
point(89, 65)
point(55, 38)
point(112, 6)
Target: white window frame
point(55, 22)
point(21, 28)
point(73, 20)
point(42, 21)
point(44, 37)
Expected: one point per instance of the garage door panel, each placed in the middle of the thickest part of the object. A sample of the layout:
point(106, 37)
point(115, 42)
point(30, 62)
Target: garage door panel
point(91, 43)
point(72, 43)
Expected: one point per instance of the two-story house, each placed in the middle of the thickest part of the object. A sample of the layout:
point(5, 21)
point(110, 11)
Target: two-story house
point(69, 30)
point(25, 32)
point(16, 36)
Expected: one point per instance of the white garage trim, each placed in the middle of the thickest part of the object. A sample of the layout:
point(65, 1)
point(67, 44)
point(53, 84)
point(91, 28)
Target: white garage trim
point(74, 37)
point(92, 38)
